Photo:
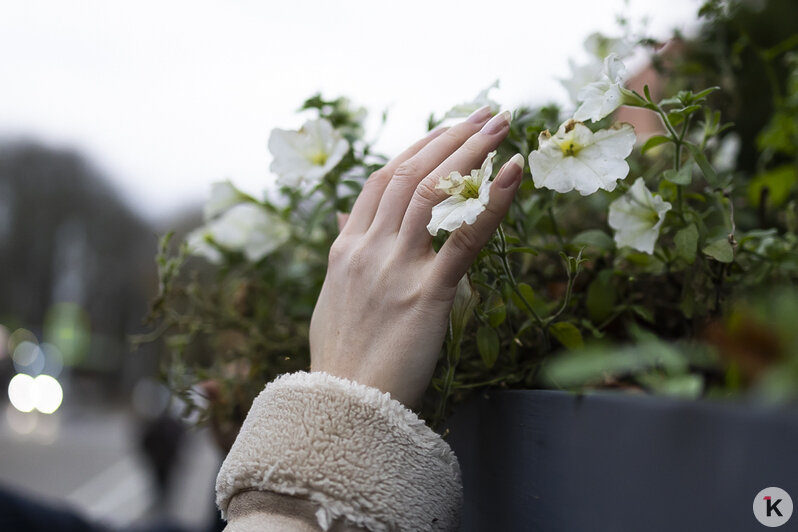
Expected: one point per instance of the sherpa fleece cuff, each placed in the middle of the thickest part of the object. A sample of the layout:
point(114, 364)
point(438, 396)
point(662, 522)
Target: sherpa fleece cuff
point(351, 449)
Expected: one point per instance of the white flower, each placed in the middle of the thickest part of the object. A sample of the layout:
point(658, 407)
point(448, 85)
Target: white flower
point(302, 158)
point(580, 77)
point(602, 97)
point(481, 100)
point(637, 216)
point(247, 228)
point(469, 196)
point(223, 196)
point(577, 158)
point(200, 243)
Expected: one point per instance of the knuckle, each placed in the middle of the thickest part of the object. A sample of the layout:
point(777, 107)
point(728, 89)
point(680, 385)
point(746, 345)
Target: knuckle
point(426, 192)
point(408, 170)
point(357, 260)
point(474, 150)
point(465, 239)
point(378, 177)
point(338, 251)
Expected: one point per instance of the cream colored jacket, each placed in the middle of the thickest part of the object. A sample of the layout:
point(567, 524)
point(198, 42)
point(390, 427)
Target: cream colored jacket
point(318, 452)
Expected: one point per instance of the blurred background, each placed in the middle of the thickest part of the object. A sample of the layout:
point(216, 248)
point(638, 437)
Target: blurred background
point(115, 117)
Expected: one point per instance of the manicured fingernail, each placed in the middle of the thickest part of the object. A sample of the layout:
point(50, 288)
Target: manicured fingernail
point(480, 115)
point(497, 123)
point(518, 159)
point(512, 172)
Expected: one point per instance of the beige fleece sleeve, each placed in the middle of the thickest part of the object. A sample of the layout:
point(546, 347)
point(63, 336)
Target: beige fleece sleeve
point(359, 455)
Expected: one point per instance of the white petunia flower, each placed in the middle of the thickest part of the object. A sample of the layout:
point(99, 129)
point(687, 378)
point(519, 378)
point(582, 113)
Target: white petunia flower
point(250, 229)
point(637, 217)
point(223, 196)
point(575, 158)
point(481, 100)
point(199, 242)
point(302, 158)
point(602, 97)
point(581, 75)
point(469, 196)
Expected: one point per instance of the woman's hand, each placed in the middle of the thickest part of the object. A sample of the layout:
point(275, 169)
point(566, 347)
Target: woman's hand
point(382, 313)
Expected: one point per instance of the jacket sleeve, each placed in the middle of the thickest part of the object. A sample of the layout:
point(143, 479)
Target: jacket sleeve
point(346, 453)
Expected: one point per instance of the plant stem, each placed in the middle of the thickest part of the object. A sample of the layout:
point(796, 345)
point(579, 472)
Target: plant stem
point(506, 266)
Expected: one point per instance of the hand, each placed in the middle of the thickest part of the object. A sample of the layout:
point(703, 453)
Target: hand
point(382, 313)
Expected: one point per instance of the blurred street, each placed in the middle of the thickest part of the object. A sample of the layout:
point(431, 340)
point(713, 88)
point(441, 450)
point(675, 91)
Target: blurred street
point(90, 460)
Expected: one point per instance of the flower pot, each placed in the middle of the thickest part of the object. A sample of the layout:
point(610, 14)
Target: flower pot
point(544, 460)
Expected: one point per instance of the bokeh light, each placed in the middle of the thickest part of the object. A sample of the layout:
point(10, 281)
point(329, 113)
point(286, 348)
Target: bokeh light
point(21, 392)
point(42, 393)
point(28, 358)
point(66, 326)
point(19, 336)
point(19, 422)
point(48, 394)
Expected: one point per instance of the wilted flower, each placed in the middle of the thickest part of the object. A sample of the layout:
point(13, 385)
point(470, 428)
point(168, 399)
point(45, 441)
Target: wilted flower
point(602, 97)
point(575, 158)
point(465, 300)
point(302, 158)
point(247, 228)
point(469, 196)
point(637, 217)
point(481, 100)
point(223, 196)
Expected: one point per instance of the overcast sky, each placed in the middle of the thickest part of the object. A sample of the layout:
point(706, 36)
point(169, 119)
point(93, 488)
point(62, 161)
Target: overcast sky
point(167, 96)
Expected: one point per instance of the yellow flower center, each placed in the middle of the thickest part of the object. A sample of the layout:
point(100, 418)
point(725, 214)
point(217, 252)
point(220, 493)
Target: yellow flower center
point(318, 158)
point(570, 148)
point(470, 189)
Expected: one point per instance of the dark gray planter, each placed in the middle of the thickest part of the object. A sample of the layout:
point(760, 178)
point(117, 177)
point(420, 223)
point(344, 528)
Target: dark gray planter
point(552, 461)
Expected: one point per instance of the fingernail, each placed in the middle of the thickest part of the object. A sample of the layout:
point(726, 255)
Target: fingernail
point(497, 123)
point(513, 171)
point(480, 115)
point(518, 159)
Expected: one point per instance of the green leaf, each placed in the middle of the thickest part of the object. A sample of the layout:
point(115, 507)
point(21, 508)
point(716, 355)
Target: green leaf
point(527, 293)
point(594, 238)
point(675, 118)
point(643, 312)
point(654, 141)
point(683, 177)
point(778, 183)
point(567, 334)
point(703, 163)
point(488, 345)
point(686, 240)
point(720, 250)
point(704, 93)
point(497, 311)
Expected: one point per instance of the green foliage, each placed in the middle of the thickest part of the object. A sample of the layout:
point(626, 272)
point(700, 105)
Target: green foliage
point(560, 303)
